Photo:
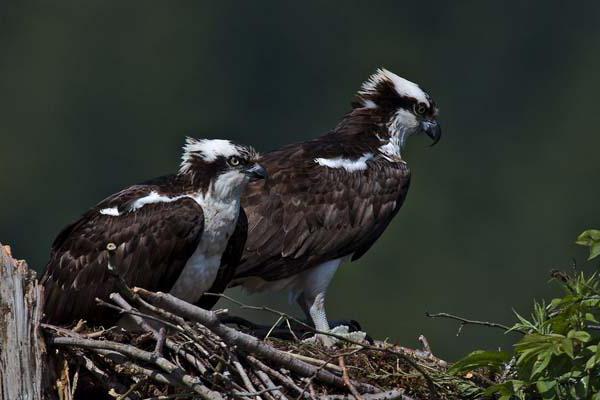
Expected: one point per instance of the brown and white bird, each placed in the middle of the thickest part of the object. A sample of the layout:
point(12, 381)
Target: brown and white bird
point(329, 199)
point(170, 234)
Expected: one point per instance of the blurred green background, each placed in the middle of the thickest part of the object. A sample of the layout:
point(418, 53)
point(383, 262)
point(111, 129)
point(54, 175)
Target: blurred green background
point(97, 95)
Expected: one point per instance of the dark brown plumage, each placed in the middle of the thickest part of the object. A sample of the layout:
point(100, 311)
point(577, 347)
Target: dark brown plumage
point(153, 246)
point(170, 234)
point(329, 199)
point(308, 214)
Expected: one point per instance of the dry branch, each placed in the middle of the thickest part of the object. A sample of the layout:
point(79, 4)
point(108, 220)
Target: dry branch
point(464, 321)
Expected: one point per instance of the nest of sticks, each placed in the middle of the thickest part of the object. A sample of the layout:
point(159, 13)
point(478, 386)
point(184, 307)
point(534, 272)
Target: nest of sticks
point(181, 351)
point(177, 350)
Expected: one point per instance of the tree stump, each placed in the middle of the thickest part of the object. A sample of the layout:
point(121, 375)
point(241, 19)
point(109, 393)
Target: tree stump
point(22, 348)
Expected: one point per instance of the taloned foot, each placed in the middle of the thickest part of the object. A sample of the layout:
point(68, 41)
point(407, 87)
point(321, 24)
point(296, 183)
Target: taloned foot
point(342, 331)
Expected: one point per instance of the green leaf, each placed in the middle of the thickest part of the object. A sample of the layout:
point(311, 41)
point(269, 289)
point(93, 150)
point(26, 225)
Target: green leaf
point(567, 347)
point(507, 389)
point(591, 318)
point(541, 363)
point(591, 363)
point(581, 336)
point(545, 386)
point(480, 359)
point(589, 237)
point(594, 251)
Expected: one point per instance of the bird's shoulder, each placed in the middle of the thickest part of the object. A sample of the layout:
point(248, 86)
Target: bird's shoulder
point(153, 242)
point(302, 169)
point(157, 203)
point(309, 212)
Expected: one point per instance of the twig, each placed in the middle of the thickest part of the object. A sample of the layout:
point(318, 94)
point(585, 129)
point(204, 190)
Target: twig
point(269, 384)
point(425, 343)
point(464, 321)
point(254, 393)
point(284, 380)
point(93, 335)
point(160, 335)
point(75, 382)
point(126, 364)
point(160, 341)
point(79, 326)
point(268, 395)
point(172, 396)
point(273, 327)
point(240, 370)
point(131, 389)
point(309, 381)
point(244, 341)
point(346, 378)
point(125, 307)
point(390, 395)
point(316, 362)
point(133, 312)
point(419, 354)
point(430, 384)
point(104, 379)
point(187, 380)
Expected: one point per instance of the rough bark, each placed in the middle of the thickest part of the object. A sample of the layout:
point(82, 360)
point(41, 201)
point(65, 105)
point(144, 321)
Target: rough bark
point(22, 349)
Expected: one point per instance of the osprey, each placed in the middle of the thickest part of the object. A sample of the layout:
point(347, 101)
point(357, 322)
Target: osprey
point(170, 233)
point(329, 199)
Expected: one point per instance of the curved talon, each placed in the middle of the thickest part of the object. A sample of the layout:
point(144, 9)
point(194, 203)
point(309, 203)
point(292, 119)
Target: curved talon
point(341, 331)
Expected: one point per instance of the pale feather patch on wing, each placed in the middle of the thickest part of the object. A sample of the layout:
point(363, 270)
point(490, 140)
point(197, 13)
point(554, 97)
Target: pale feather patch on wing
point(152, 198)
point(113, 211)
point(359, 164)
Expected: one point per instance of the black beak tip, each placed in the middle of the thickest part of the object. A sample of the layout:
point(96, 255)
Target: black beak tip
point(257, 172)
point(435, 133)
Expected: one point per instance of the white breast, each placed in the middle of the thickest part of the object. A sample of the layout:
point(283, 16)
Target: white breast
point(200, 271)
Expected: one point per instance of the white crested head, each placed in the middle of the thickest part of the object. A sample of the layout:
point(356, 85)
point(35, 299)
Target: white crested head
point(403, 87)
point(220, 164)
point(397, 108)
point(208, 149)
point(202, 152)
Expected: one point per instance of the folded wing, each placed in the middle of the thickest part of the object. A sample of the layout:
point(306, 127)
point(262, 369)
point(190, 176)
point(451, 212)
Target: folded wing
point(153, 244)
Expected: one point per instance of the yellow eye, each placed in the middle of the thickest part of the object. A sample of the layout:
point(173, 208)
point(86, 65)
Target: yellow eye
point(420, 108)
point(234, 161)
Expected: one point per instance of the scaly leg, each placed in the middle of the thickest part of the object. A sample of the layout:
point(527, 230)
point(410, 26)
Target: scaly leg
point(314, 308)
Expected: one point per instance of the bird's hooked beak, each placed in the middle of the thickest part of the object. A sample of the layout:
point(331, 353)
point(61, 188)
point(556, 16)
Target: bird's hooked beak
point(432, 129)
point(256, 172)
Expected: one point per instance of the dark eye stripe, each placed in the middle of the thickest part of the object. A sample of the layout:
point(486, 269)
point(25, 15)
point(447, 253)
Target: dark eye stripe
point(387, 98)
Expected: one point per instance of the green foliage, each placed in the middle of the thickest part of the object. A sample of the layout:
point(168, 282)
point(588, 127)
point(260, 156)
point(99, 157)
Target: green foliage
point(591, 239)
point(494, 360)
point(558, 357)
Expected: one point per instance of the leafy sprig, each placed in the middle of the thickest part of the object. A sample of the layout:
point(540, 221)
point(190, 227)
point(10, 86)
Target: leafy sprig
point(558, 357)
